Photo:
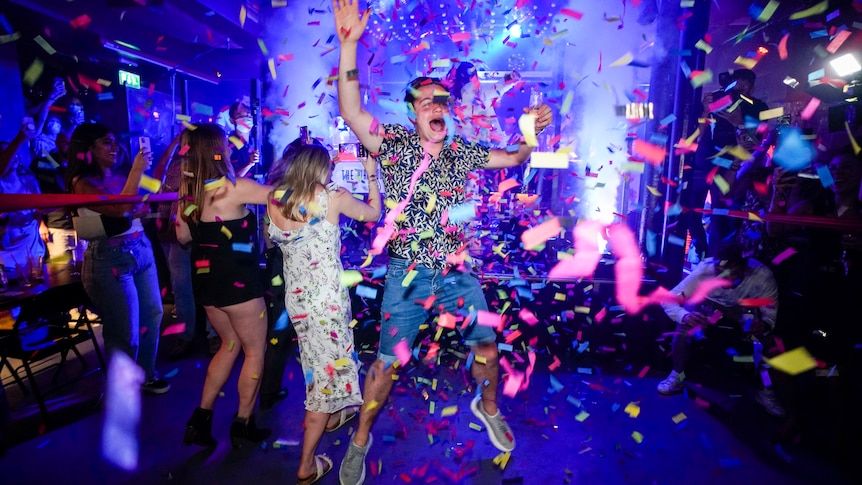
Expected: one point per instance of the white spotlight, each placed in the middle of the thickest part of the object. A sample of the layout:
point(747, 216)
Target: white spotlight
point(845, 65)
point(515, 31)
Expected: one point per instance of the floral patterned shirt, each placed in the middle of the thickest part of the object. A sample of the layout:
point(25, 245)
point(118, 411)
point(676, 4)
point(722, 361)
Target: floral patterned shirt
point(420, 233)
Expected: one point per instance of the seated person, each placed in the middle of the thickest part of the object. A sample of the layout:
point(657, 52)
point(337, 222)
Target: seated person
point(748, 278)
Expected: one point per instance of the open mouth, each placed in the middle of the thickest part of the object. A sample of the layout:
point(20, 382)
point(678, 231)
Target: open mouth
point(438, 125)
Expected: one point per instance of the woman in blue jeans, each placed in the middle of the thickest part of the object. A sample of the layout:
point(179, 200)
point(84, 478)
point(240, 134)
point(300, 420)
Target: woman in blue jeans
point(119, 272)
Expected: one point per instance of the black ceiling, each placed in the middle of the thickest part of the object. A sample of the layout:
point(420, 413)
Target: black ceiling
point(202, 37)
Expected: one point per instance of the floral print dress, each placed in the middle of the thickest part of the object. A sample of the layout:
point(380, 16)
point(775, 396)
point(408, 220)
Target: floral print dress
point(319, 309)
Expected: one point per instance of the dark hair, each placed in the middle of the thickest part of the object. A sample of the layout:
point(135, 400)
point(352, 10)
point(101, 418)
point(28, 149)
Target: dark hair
point(231, 112)
point(80, 161)
point(417, 83)
point(280, 166)
point(463, 76)
point(733, 252)
point(744, 75)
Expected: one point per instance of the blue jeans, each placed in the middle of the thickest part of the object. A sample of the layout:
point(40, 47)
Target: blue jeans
point(405, 315)
point(180, 268)
point(120, 277)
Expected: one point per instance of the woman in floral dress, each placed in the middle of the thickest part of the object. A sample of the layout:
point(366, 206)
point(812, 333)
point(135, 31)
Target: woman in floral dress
point(304, 214)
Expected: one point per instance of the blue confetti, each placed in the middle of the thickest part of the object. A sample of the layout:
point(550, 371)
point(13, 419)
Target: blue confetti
point(792, 153)
point(282, 321)
point(243, 247)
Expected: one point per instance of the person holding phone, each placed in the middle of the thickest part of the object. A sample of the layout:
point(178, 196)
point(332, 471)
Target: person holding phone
point(119, 271)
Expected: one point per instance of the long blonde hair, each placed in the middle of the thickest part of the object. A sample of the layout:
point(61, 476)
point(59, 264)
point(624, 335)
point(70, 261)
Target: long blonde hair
point(309, 169)
point(207, 160)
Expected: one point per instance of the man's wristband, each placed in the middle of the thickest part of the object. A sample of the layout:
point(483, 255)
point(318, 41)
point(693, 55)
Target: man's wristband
point(352, 75)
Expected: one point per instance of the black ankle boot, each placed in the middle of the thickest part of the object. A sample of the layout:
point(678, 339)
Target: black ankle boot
point(199, 428)
point(245, 430)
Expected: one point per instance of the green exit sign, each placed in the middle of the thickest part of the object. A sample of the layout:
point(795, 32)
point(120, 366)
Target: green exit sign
point(130, 79)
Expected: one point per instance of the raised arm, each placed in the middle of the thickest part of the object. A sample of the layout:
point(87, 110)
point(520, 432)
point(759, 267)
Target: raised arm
point(57, 92)
point(250, 192)
point(355, 209)
point(506, 159)
point(82, 185)
point(350, 26)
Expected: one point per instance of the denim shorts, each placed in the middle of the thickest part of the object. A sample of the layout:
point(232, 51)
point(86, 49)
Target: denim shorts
point(406, 313)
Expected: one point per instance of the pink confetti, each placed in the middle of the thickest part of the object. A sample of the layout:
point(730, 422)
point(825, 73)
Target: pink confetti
point(587, 254)
point(537, 235)
point(402, 352)
point(527, 316)
point(628, 269)
point(784, 255)
point(460, 36)
point(175, 329)
point(571, 13)
point(489, 319)
point(705, 288)
point(810, 108)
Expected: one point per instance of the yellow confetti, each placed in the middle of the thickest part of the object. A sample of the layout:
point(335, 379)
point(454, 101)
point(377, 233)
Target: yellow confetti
point(746, 62)
point(271, 63)
point(474, 426)
point(853, 142)
point(449, 411)
point(353, 323)
point(502, 459)
point(679, 418)
point(45, 45)
point(191, 208)
point(754, 217)
point(231, 345)
point(582, 416)
point(527, 125)
point(235, 141)
point(432, 202)
point(214, 184)
point(273, 341)
point(350, 278)
point(34, 72)
point(226, 232)
point(772, 113)
point(182, 117)
point(817, 9)
point(367, 261)
point(371, 405)
point(793, 362)
point(479, 359)
point(722, 184)
point(242, 16)
point(702, 78)
point(409, 278)
point(702, 45)
point(624, 60)
point(739, 152)
point(277, 280)
point(189, 126)
point(341, 363)
point(637, 437)
point(255, 377)
point(767, 12)
point(149, 184)
point(654, 191)
point(633, 410)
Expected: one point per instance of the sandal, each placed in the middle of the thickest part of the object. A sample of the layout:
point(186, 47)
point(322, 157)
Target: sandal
point(344, 416)
point(322, 465)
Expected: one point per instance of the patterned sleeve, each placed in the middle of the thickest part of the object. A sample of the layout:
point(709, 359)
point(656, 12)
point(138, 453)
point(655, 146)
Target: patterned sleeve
point(472, 156)
point(393, 136)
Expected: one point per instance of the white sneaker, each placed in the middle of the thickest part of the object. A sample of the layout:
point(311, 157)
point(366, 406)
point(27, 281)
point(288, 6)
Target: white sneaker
point(672, 384)
point(770, 402)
